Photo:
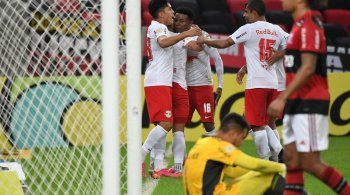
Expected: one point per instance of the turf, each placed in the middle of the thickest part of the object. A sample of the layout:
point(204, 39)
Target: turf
point(338, 155)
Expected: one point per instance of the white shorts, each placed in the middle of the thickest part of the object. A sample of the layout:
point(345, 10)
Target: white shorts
point(308, 131)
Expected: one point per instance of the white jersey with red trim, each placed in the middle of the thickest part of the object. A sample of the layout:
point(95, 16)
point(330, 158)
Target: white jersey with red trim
point(280, 71)
point(180, 58)
point(260, 40)
point(198, 69)
point(160, 68)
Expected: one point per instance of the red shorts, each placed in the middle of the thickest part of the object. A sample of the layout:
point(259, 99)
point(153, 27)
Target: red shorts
point(159, 103)
point(180, 104)
point(202, 100)
point(256, 104)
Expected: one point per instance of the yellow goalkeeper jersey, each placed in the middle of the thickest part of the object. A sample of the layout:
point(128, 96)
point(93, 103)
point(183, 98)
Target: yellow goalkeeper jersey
point(211, 158)
point(205, 163)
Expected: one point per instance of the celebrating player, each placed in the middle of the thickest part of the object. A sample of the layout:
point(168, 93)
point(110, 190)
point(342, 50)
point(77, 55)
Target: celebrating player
point(159, 75)
point(306, 101)
point(260, 39)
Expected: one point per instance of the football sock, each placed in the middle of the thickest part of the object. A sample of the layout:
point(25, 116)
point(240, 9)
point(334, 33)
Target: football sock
point(179, 146)
point(262, 144)
point(335, 180)
point(294, 181)
point(251, 132)
point(159, 151)
point(273, 141)
point(276, 133)
point(156, 134)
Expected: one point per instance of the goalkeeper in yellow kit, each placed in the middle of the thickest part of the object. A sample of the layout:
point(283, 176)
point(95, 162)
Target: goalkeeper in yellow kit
point(214, 158)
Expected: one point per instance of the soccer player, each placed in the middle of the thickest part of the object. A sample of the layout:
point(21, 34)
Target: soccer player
point(260, 39)
point(306, 102)
point(159, 75)
point(200, 84)
point(213, 157)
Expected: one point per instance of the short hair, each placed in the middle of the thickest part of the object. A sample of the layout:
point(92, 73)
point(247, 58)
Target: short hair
point(155, 6)
point(258, 6)
point(186, 11)
point(233, 119)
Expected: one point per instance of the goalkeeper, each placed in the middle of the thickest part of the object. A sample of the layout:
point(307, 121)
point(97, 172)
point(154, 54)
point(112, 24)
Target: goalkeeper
point(212, 158)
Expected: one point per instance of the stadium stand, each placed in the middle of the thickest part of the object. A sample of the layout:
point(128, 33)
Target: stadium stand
point(191, 4)
point(273, 5)
point(338, 16)
point(280, 17)
point(211, 18)
point(334, 31)
point(210, 5)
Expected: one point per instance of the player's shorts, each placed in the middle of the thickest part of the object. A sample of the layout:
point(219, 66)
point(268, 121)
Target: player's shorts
point(256, 104)
point(202, 100)
point(180, 104)
point(308, 131)
point(159, 103)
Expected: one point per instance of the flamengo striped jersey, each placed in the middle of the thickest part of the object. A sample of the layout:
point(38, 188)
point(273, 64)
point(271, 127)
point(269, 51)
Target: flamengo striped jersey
point(160, 68)
point(307, 35)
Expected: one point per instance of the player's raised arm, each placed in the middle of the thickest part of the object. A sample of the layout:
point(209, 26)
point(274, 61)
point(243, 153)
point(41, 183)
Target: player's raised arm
point(165, 41)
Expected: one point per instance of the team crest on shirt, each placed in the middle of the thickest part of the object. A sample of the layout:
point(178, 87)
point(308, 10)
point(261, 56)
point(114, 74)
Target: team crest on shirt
point(167, 113)
point(229, 149)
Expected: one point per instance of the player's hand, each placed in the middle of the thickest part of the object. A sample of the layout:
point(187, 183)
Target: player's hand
point(273, 59)
point(240, 75)
point(276, 106)
point(218, 96)
point(195, 31)
point(201, 40)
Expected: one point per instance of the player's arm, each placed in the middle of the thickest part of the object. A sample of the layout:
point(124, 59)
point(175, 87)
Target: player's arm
point(165, 41)
point(219, 68)
point(217, 43)
point(240, 74)
point(235, 171)
point(275, 57)
point(307, 69)
point(260, 165)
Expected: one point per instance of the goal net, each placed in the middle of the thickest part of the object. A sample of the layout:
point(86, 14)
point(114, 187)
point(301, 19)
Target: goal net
point(51, 94)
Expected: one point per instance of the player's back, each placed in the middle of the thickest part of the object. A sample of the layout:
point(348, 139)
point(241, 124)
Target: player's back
point(205, 163)
point(260, 40)
point(160, 69)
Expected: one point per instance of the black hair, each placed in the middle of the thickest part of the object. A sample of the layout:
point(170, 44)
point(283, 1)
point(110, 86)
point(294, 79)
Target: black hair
point(155, 6)
point(186, 11)
point(258, 6)
point(233, 119)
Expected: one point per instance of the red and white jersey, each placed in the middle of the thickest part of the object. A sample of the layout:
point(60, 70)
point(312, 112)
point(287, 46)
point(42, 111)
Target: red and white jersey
point(180, 58)
point(198, 69)
point(260, 39)
point(160, 68)
point(280, 71)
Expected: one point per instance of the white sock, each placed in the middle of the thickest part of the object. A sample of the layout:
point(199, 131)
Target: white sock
point(159, 152)
point(156, 134)
point(251, 132)
point(273, 141)
point(262, 144)
point(276, 133)
point(179, 146)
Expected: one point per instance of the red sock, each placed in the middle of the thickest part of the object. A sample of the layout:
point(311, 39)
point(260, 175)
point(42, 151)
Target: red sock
point(294, 181)
point(335, 180)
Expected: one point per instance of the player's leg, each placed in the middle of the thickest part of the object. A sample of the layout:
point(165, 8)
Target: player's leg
point(295, 173)
point(262, 182)
point(159, 103)
point(274, 142)
point(181, 111)
point(255, 113)
point(315, 128)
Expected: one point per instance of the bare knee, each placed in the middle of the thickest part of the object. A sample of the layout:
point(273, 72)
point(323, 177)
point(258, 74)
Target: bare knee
point(311, 163)
point(291, 156)
point(167, 126)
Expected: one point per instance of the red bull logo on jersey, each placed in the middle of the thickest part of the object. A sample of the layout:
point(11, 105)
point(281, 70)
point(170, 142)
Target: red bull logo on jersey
point(168, 113)
point(266, 31)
